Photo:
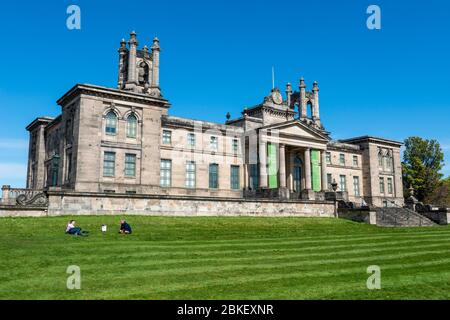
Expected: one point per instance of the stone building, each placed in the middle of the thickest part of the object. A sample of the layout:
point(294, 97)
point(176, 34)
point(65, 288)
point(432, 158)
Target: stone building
point(123, 141)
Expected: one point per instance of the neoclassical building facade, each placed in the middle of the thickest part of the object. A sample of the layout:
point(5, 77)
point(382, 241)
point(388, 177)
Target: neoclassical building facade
point(123, 140)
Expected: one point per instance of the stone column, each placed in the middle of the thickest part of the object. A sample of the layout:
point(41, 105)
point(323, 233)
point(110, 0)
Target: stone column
point(282, 166)
point(308, 181)
point(5, 194)
point(324, 170)
point(262, 164)
point(291, 172)
point(155, 71)
point(132, 58)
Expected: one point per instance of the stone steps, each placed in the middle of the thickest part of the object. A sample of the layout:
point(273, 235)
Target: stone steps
point(401, 217)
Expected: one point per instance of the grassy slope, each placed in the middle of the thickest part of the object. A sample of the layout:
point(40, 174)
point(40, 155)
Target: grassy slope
point(222, 258)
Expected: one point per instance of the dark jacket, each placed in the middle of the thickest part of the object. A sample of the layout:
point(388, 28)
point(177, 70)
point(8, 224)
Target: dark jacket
point(125, 227)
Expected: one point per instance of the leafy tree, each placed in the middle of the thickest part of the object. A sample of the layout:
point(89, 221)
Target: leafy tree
point(441, 196)
point(423, 161)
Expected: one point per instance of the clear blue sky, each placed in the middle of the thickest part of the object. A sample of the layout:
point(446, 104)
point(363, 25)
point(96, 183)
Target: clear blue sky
point(217, 57)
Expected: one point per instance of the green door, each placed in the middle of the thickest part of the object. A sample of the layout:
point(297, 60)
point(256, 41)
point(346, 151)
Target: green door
point(272, 165)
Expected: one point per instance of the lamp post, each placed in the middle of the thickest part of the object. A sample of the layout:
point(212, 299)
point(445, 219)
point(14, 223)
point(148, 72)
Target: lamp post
point(334, 186)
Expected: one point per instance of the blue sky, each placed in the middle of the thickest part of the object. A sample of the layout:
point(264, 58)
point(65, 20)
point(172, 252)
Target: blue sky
point(217, 58)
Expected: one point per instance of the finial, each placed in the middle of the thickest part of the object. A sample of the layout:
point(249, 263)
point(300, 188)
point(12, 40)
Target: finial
point(288, 87)
point(315, 86)
point(155, 44)
point(133, 38)
point(302, 83)
point(145, 48)
point(228, 116)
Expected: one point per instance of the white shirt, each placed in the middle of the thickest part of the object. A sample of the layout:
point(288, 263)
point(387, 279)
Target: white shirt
point(70, 226)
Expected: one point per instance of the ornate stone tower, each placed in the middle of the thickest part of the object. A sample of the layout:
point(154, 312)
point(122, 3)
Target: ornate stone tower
point(305, 100)
point(139, 69)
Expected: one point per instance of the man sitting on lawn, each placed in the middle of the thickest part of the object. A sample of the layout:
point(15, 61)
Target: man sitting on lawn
point(125, 228)
point(73, 230)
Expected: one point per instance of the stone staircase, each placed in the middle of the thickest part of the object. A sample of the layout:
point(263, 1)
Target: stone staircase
point(401, 217)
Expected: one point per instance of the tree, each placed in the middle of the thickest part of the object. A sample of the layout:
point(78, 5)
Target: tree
point(441, 196)
point(423, 161)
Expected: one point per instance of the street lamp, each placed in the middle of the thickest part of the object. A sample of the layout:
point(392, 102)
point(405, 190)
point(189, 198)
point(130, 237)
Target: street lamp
point(334, 186)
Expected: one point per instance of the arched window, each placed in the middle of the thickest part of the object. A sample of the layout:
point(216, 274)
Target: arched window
point(131, 126)
point(111, 123)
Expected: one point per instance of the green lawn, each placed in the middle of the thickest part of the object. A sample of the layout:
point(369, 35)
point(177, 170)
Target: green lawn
point(222, 258)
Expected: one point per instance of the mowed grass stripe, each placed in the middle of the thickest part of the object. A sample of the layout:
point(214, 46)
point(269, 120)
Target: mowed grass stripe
point(95, 257)
point(244, 242)
point(167, 259)
point(97, 286)
point(142, 269)
point(182, 248)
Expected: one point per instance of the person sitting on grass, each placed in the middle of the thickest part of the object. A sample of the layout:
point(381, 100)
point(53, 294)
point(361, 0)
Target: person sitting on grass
point(125, 228)
point(73, 230)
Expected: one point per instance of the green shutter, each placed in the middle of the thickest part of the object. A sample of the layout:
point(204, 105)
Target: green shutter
point(272, 162)
point(315, 168)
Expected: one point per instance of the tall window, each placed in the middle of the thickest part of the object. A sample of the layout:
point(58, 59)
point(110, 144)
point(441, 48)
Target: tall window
point(343, 183)
point(109, 164)
point(381, 185)
point(131, 126)
point(130, 165)
point(342, 159)
point(214, 176)
point(235, 185)
point(167, 137)
point(389, 163)
point(190, 174)
point(166, 173)
point(390, 186)
point(355, 161)
point(356, 190)
point(111, 124)
point(328, 157)
point(254, 177)
point(214, 144)
point(329, 181)
point(380, 160)
point(191, 140)
point(235, 146)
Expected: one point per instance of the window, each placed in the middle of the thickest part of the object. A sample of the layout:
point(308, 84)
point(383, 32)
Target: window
point(214, 144)
point(166, 173)
point(191, 140)
point(131, 126)
point(380, 160)
point(214, 176)
point(234, 178)
point(389, 163)
point(342, 159)
point(109, 164)
point(254, 176)
point(111, 124)
point(130, 165)
point(355, 161)
point(235, 146)
point(342, 183)
point(329, 181)
point(167, 137)
point(328, 157)
point(390, 186)
point(190, 174)
point(381, 185)
point(356, 191)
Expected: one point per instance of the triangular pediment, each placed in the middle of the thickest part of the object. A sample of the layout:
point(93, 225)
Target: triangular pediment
point(297, 128)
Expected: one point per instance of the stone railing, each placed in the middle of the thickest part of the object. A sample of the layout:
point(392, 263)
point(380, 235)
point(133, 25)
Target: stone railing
point(23, 197)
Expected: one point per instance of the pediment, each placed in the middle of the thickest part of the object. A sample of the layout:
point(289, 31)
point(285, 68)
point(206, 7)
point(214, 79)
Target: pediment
point(298, 129)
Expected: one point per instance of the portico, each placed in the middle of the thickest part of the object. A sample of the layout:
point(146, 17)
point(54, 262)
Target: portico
point(292, 160)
